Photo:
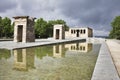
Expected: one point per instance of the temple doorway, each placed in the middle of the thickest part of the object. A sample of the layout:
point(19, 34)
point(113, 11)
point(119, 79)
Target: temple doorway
point(57, 33)
point(77, 33)
point(20, 33)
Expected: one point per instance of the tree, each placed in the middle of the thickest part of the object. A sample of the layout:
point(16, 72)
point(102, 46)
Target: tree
point(51, 23)
point(40, 28)
point(1, 27)
point(59, 21)
point(12, 30)
point(115, 32)
point(6, 23)
point(44, 29)
point(49, 29)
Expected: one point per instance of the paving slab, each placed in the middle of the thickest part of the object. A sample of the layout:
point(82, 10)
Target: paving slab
point(104, 68)
point(114, 46)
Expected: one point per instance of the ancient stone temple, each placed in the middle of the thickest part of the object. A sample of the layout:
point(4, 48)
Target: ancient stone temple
point(59, 32)
point(82, 32)
point(24, 29)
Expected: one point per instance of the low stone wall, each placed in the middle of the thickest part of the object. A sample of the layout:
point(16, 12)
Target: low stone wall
point(40, 42)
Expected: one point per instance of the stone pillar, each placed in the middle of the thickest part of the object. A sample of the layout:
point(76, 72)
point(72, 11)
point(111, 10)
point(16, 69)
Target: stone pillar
point(59, 32)
point(24, 29)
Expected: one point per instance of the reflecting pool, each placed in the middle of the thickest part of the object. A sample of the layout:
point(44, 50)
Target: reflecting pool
point(70, 61)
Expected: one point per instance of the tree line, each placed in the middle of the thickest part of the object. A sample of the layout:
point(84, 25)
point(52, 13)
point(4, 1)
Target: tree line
point(115, 32)
point(43, 28)
point(6, 28)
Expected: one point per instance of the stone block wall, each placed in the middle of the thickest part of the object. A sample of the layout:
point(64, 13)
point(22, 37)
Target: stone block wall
point(24, 29)
point(59, 32)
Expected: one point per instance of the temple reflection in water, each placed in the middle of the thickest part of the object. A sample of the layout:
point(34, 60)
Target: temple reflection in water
point(58, 51)
point(24, 59)
point(80, 47)
point(67, 61)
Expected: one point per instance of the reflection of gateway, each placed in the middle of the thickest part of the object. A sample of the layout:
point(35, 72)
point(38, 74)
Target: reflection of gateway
point(57, 51)
point(81, 47)
point(23, 59)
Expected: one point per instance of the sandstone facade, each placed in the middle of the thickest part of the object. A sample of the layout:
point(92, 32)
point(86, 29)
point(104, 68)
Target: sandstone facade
point(24, 29)
point(79, 32)
point(59, 32)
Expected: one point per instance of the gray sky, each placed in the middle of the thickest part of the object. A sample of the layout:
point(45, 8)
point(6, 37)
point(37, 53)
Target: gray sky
point(96, 14)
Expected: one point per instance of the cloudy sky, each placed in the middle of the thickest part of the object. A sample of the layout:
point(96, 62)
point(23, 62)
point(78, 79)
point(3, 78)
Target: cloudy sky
point(96, 14)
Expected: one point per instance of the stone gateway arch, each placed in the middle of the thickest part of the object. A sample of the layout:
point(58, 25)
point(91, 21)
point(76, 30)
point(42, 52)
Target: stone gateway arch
point(24, 29)
point(58, 32)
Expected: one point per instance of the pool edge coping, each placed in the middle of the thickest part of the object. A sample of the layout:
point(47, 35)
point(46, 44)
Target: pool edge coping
point(103, 70)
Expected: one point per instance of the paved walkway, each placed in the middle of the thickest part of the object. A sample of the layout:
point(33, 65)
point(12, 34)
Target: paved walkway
point(114, 46)
point(105, 69)
point(13, 45)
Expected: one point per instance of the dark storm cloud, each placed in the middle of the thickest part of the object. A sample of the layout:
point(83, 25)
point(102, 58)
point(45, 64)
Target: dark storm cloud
point(6, 5)
point(92, 12)
point(97, 14)
point(37, 6)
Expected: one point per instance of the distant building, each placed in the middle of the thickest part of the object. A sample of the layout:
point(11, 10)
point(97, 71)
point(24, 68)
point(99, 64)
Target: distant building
point(79, 32)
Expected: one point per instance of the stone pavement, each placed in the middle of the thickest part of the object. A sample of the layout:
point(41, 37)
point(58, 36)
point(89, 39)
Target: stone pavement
point(13, 45)
point(114, 46)
point(104, 68)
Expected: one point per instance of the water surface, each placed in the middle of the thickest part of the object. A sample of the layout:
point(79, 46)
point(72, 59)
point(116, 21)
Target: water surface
point(71, 61)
